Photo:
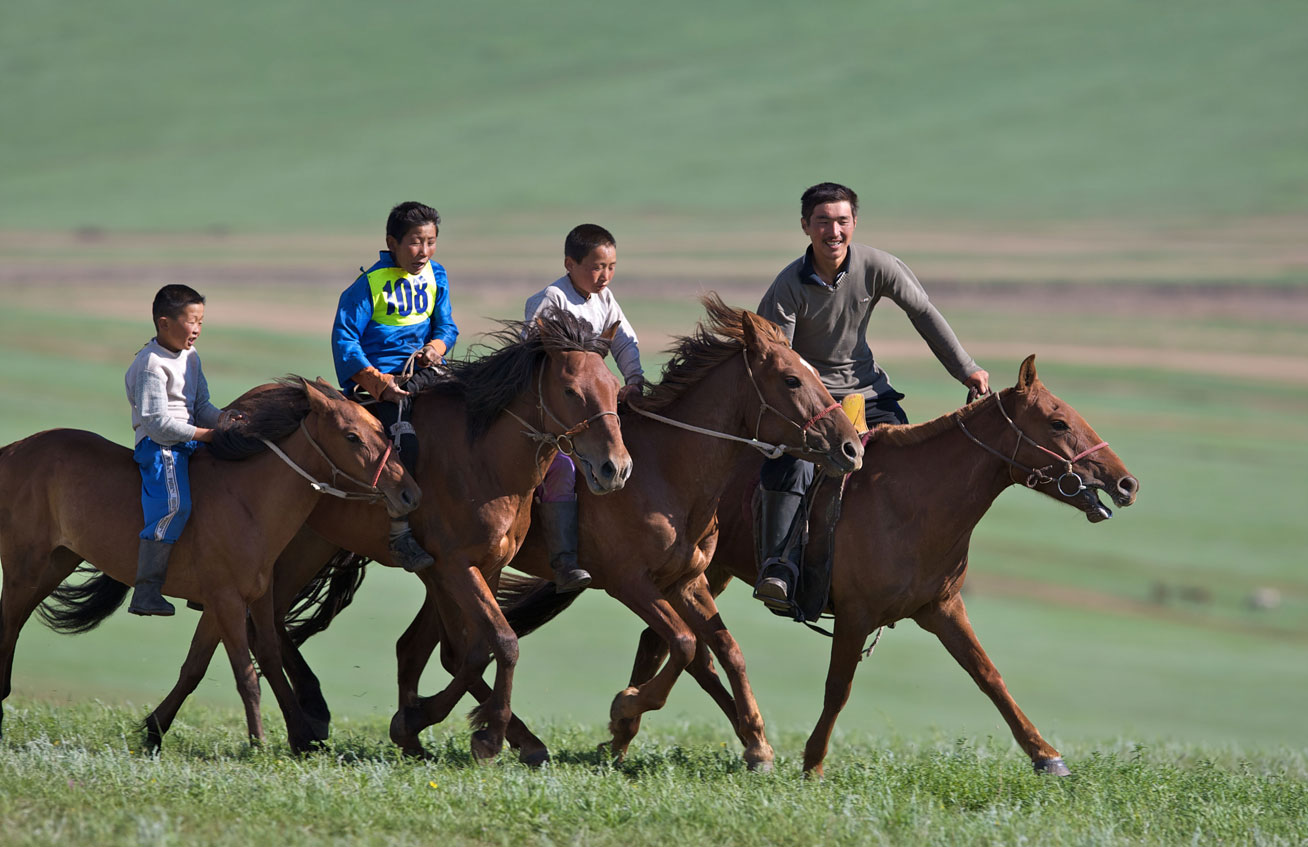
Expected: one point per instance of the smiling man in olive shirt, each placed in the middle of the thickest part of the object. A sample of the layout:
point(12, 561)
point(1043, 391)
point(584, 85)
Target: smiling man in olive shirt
point(823, 302)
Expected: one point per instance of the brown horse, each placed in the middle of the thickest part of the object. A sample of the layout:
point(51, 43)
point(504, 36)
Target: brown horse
point(486, 436)
point(902, 541)
point(71, 496)
point(648, 545)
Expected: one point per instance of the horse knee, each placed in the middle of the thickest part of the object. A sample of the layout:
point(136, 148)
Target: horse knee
point(504, 647)
point(681, 649)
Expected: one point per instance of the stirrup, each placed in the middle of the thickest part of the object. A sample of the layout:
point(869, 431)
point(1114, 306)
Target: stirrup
point(772, 589)
point(570, 579)
point(408, 553)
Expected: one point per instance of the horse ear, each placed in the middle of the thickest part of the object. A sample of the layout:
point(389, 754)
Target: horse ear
point(312, 392)
point(1026, 375)
point(751, 329)
point(612, 332)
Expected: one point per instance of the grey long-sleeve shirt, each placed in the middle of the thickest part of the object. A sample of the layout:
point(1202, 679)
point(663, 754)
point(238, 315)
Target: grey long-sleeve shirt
point(600, 311)
point(169, 395)
point(828, 326)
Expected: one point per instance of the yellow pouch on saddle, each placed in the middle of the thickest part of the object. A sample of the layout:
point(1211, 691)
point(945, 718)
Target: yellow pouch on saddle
point(855, 408)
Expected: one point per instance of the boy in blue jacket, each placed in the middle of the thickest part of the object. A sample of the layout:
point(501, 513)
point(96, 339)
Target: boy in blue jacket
point(396, 310)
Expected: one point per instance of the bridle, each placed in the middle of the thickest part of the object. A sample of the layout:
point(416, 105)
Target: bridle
point(372, 494)
point(563, 442)
point(771, 451)
point(1035, 476)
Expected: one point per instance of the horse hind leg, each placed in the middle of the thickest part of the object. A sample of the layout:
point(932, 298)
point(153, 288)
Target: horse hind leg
point(948, 622)
point(203, 644)
point(25, 585)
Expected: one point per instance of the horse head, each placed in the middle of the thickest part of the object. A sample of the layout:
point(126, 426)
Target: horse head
point(1066, 458)
point(794, 408)
point(578, 395)
point(354, 443)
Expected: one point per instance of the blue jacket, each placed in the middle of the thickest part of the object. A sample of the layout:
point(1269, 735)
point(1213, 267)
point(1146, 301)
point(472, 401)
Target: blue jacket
point(385, 315)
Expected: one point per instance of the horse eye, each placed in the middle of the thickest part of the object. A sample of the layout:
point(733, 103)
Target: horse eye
point(792, 382)
point(352, 438)
point(568, 392)
point(1059, 426)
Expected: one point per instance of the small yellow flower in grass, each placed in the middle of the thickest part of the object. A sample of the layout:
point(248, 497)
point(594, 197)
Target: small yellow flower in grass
point(433, 784)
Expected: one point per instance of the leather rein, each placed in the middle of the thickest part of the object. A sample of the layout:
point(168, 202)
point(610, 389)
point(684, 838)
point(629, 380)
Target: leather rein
point(371, 493)
point(771, 451)
point(1034, 476)
point(563, 441)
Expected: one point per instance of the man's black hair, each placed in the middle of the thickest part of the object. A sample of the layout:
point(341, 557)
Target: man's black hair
point(406, 216)
point(826, 192)
point(585, 238)
point(171, 301)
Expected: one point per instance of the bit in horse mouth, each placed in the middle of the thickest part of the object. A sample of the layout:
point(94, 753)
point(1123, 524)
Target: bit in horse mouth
point(1094, 508)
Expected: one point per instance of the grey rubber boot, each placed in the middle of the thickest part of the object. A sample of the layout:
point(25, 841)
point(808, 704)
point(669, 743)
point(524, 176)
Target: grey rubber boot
point(559, 520)
point(151, 567)
point(405, 549)
point(778, 573)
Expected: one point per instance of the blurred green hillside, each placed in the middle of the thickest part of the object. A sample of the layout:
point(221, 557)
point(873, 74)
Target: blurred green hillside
point(154, 115)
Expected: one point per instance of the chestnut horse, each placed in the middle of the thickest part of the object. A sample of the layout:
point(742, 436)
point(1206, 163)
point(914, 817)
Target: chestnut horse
point(486, 437)
point(71, 496)
point(902, 540)
point(648, 545)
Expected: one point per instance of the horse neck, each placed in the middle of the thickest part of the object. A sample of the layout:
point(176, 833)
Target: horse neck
point(281, 497)
point(717, 402)
point(502, 453)
point(953, 466)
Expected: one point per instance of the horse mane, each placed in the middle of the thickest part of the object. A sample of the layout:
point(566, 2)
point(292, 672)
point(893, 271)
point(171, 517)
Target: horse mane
point(908, 435)
point(272, 415)
point(490, 382)
point(716, 338)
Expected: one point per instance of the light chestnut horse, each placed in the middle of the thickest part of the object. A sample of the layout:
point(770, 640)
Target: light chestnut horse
point(901, 544)
point(70, 496)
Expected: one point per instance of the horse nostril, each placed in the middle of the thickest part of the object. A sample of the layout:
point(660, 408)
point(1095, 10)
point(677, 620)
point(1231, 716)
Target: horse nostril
point(1128, 485)
point(850, 450)
point(609, 470)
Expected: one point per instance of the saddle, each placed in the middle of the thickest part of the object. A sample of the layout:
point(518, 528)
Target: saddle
point(811, 538)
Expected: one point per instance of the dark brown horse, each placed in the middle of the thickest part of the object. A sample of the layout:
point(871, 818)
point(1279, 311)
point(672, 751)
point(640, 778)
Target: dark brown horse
point(486, 436)
point(648, 545)
point(71, 496)
point(902, 540)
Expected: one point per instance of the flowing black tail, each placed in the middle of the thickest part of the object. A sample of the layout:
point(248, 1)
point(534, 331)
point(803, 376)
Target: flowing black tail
point(326, 596)
point(81, 607)
point(528, 603)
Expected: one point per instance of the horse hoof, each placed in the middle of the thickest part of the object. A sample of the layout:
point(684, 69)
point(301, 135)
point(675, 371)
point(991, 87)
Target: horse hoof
point(404, 739)
point(484, 749)
point(1052, 767)
point(814, 772)
point(617, 710)
point(535, 759)
point(760, 767)
point(320, 730)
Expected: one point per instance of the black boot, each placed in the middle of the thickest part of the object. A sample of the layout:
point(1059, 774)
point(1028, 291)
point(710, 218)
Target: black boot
point(405, 550)
point(151, 567)
point(559, 520)
point(778, 572)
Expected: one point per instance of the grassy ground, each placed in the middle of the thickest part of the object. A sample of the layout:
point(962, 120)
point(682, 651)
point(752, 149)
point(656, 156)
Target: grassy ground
point(75, 776)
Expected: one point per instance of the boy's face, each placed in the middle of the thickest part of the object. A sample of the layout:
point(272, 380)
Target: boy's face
point(594, 273)
point(179, 333)
point(415, 249)
point(830, 227)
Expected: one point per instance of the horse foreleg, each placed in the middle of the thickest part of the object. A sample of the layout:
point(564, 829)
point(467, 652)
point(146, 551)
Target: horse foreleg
point(643, 598)
point(308, 690)
point(948, 622)
point(203, 644)
point(414, 648)
point(846, 651)
point(230, 614)
point(267, 648)
point(701, 614)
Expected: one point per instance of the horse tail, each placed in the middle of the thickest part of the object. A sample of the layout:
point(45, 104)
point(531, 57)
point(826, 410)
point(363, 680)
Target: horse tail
point(528, 603)
point(74, 608)
point(326, 596)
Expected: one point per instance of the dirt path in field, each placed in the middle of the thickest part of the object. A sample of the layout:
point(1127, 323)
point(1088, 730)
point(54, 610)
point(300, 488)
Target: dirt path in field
point(1086, 277)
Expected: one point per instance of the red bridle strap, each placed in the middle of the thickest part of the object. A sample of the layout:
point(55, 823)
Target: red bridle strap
point(819, 416)
point(382, 463)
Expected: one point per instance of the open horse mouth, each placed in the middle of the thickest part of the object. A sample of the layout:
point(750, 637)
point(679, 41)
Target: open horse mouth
point(613, 479)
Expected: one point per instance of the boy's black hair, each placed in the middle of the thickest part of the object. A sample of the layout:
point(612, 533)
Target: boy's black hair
point(406, 216)
point(826, 192)
point(172, 300)
point(585, 238)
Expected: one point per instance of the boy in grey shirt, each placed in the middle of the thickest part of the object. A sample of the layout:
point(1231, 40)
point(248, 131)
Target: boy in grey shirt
point(823, 302)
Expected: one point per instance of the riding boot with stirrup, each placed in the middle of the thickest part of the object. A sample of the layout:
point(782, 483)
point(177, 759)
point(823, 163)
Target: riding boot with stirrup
point(778, 573)
point(559, 520)
point(151, 567)
point(405, 550)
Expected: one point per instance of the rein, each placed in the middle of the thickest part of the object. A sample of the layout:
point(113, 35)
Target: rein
point(1034, 476)
point(771, 451)
point(563, 441)
point(373, 495)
